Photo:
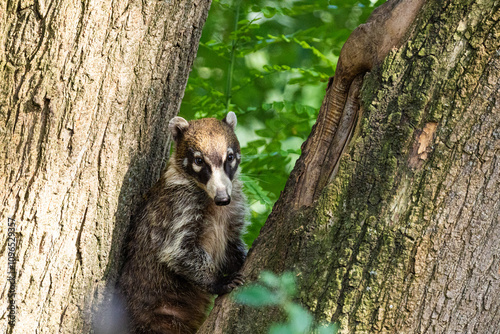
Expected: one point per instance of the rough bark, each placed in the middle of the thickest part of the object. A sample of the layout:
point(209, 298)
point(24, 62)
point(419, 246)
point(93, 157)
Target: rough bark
point(406, 237)
point(87, 89)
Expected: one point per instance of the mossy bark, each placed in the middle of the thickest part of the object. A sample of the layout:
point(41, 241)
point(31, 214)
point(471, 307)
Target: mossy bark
point(86, 92)
point(406, 237)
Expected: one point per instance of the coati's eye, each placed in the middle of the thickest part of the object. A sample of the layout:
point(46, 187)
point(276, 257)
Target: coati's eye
point(230, 157)
point(198, 161)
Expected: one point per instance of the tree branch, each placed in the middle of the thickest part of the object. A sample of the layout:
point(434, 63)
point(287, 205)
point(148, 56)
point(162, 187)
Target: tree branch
point(366, 47)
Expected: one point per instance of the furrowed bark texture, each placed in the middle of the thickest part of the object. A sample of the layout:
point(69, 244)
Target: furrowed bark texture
point(87, 89)
point(406, 237)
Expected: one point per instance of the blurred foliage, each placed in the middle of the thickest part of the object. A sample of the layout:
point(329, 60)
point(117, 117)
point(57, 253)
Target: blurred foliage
point(269, 61)
point(279, 291)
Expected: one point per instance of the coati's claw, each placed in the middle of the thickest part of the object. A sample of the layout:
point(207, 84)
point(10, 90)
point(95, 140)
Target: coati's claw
point(234, 281)
point(239, 279)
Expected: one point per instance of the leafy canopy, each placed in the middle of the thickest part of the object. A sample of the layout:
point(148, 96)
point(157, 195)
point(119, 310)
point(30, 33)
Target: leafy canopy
point(269, 61)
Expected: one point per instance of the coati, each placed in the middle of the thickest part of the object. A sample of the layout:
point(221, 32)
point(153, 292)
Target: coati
point(185, 244)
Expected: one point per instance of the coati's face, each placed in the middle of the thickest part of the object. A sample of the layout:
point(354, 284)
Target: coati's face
point(208, 151)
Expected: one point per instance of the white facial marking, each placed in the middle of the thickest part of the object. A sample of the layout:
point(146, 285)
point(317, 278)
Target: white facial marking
point(197, 168)
point(230, 151)
point(219, 182)
point(185, 162)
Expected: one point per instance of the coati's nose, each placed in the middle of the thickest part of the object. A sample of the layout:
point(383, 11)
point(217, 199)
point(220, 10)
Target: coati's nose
point(222, 198)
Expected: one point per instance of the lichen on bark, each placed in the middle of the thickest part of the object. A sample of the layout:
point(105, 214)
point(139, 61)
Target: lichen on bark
point(388, 273)
point(405, 238)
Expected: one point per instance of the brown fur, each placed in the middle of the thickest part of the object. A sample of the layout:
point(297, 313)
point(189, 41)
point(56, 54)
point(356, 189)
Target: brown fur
point(207, 135)
point(183, 247)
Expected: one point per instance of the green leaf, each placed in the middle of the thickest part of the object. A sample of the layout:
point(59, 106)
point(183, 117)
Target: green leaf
point(266, 133)
point(328, 329)
point(288, 283)
point(300, 319)
point(255, 190)
point(270, 279)
point(281, 329)
point(268, 12)
point(278, 106)
point(266, 106)
point(257, 143)
point(256, 296)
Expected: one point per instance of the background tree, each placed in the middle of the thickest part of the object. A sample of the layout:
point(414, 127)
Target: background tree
point(401, 233)
point(87, 89)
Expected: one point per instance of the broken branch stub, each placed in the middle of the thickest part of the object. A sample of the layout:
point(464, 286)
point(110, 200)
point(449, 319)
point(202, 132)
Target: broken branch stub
point(367, 46)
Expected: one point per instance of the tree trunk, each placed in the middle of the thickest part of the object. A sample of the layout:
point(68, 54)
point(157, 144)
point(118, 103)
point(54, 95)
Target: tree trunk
point(87, 89)
point(405, 237)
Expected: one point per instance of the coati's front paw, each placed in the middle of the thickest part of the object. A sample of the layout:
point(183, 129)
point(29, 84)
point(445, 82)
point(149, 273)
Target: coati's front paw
point(228, 284)
point(236, 280)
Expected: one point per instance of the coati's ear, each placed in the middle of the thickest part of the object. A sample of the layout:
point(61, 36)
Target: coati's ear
point(230, 119)
point(177, 126)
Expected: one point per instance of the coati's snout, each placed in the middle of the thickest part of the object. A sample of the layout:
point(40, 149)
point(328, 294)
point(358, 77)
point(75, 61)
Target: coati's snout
point(221, 201)
point(219, 187)
point(209, 152)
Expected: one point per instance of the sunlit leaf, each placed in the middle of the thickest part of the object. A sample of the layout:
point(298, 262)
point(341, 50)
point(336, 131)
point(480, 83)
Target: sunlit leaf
point(300, 319)
point(328, 329)
point(288, 283)
point(268, 12)
point(270, 279)
point(282, 329)
point(255, 295)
